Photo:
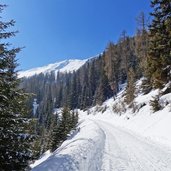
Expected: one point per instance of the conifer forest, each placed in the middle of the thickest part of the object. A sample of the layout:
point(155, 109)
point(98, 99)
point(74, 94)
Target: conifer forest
point(38, 113)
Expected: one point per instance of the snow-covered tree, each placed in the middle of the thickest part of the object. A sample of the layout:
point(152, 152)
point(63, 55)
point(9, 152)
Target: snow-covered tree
point(15, 147)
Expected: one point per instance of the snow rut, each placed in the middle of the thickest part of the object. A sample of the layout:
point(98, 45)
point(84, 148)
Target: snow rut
point(125, 151)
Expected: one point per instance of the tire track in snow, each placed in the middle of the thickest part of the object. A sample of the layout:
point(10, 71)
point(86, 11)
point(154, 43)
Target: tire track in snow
point(126, 152)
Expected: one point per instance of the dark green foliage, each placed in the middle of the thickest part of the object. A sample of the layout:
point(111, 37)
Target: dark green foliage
point(15, 140)
point(54, 131)
point(159, 56)
point(62, 127)
point(103, 91)
point(155, 104)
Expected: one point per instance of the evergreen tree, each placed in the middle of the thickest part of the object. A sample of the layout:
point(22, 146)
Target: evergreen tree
point(15, 142)
point(159, 56)
point(61, 129)
point(54, 138)
point(103, 91)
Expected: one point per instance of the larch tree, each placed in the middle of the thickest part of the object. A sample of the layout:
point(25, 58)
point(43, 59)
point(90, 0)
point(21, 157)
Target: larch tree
point(112, 62)
point(130, 89)
point(141, 41)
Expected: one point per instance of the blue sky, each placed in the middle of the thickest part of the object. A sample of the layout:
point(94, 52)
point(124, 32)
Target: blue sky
point(55, 30)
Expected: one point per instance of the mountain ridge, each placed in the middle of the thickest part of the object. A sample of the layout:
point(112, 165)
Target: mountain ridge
point(68, 65)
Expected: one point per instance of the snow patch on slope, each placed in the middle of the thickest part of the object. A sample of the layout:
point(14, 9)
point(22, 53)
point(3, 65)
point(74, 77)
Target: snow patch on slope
point(64, 66)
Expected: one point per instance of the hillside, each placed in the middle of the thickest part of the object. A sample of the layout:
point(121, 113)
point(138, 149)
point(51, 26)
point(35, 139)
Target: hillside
point(111, 112)
point(106, 140)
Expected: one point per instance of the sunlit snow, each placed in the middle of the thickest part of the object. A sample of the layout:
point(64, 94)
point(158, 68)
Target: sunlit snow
point(64, 66)
point(108, 141)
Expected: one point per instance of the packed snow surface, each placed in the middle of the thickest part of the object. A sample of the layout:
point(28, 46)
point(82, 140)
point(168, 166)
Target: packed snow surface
point(64, 66)
point(83, 152)
point(102, 146)
point(109, 141)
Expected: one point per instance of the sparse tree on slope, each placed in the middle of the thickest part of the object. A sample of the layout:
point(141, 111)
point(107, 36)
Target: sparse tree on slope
point(141, 42)
point(130, 89)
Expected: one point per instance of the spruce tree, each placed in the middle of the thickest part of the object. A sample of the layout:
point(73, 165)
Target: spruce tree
point(159, 56)
point(15, 144)
point(54, 138)
point(61, 129)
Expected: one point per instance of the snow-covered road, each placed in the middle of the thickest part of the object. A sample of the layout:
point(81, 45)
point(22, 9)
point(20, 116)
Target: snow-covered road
point(101, 146)
point(125, 151)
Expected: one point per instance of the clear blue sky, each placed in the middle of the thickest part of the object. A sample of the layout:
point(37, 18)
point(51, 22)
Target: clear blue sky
point(55, 30)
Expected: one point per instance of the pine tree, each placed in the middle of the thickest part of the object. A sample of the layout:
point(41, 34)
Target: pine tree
point(15, 142)
point(159, 56)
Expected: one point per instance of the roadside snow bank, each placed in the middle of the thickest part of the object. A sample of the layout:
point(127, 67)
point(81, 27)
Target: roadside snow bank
point(44, 157)
point(154, 126)
point(83, 152)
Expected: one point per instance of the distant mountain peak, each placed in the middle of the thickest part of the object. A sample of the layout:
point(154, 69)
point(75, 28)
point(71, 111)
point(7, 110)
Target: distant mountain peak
point(69, 65)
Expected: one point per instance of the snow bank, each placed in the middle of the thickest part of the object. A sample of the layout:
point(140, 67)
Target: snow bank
point(154, 126)
point(44, 157)
point(80, 153)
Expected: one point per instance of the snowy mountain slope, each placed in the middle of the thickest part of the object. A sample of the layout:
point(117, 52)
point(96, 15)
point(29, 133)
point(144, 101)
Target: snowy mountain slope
point(108, 141)
point(64, 66)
